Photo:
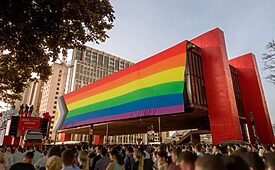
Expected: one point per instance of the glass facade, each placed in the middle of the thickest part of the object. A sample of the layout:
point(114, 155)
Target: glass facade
point(194, 81)
point(94, 65)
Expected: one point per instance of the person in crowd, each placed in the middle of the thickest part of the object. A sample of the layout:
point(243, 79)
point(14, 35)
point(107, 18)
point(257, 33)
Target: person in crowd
point(198, 150)
point(97, 157)
point(138, 156)
point(209, 162)
point(169, 157)
point(162, 160)
point(67, 158)
point(117, 158)
point(155, 160)
point(270, 161)
point(262, 152)
point(147, 162)
point(129, 160)
point(2, 159)
point(187, 160)
point(217, 150)
point(253, 160)
point(54, 163)
point(8, 158)
point(55, 150)
point(235, 163)
point(103, 163)
point(83, 160)
point(25, 164)
point(175, 159)
point(18, 155)
point(37, 155)
point(41, 163)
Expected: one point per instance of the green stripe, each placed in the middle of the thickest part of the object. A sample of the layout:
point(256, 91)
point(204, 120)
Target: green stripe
point(158, 90)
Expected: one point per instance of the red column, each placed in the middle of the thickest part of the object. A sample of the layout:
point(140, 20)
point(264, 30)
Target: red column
point(98, 139)
point(253, 96)
point(222, 109)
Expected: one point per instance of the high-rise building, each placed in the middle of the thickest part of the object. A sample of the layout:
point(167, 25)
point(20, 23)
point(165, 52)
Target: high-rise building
point(31, 96)
point(90, 65)
point(53, 88)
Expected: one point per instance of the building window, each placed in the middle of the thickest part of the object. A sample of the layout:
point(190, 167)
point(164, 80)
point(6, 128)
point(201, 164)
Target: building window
point(117, 65)
point(56, 93)
point(58, 84)
point(100, 60)
point(60, 71)
point(54, 107)
point(106, 61)
point(55, 102)
point(194, 80)
point(57, 88)
point(59, 79)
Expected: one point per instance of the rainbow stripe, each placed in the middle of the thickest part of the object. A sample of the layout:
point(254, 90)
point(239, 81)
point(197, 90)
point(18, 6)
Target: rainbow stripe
point(151, 87)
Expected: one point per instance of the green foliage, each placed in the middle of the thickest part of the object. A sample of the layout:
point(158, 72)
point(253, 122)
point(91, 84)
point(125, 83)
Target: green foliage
point(269, 61)
point(34, 32)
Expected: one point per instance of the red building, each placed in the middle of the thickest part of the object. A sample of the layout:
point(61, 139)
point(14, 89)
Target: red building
point(222, 96)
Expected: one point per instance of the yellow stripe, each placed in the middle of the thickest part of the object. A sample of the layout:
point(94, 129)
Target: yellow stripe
point(174, 74)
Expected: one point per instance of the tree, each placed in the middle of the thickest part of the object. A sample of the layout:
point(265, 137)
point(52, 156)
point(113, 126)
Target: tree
point(34, 32)
point(269, 61)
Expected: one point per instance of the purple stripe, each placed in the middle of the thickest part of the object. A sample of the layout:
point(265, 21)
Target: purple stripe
point(139, 113)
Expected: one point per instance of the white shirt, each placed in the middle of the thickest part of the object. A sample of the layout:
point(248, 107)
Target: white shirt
point(41, 162)
point(17, 157)
point(37, 155)
point(8, 160)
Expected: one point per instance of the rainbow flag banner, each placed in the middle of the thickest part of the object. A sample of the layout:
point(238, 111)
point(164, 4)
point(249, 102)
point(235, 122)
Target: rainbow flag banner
point(151, 87)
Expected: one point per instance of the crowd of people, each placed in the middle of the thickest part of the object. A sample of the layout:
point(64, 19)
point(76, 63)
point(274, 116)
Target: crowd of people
point(142, 157)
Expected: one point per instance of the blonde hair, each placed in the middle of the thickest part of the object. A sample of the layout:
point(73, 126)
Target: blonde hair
point(83, 159)
point(139, 157)
point(54, 163)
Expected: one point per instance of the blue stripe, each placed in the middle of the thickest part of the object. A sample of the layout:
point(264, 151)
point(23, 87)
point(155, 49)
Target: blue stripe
point(152, 102)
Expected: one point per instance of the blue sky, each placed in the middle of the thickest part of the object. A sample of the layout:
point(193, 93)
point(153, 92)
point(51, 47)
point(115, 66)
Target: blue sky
point(145, 27)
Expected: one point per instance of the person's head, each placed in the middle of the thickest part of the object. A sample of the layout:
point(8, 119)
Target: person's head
point(29, 148)
point(8, 150)
point(55, 150)
point(270, 161)
point(262, 151)
point(116, 155)
point(67, 157)
point(45, 153)
point(28, 157)
point(175, 155)
point(253, 160)
point(103, 151)
point(19, 149)
point(83, 159)
point(129, 151)
point(198, 148)
point(235, 163)
point(54, 163)
point(138, 154)
point(97, 149)
point(162, 156)
point(36, 148)
point(209, 162)
point(187, 160)
point(216, 149)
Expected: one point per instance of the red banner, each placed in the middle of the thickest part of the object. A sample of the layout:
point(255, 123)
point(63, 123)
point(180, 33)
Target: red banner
point(27, 123)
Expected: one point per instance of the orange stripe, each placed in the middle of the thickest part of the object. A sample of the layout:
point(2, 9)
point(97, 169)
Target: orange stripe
point(161, 66)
